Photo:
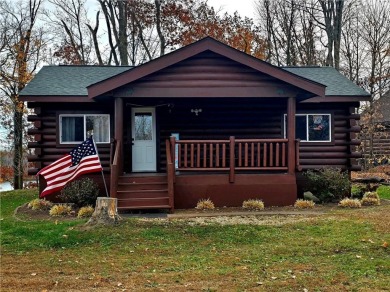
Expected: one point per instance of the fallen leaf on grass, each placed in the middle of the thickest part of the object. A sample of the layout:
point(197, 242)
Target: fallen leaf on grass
point(358, 256)
point(385, 245)
point(259, 283)
point(33, 274)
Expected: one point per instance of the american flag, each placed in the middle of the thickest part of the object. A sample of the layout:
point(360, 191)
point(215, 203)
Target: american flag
point(82, 159)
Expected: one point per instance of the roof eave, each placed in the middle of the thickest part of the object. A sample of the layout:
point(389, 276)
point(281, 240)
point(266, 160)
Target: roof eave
point(338, 98)
point(55, 98)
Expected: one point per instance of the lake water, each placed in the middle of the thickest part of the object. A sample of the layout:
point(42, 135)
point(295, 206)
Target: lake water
point(6, 186)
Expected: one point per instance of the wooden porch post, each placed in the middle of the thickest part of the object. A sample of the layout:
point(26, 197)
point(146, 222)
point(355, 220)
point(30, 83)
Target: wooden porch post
point(291, 109)
point(118, 130)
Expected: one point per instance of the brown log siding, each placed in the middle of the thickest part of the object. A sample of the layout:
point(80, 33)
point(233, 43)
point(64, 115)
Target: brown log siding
point(46, 131)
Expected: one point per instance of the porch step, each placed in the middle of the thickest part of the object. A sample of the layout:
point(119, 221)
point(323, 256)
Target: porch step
point(142, 186)
point(143, 179)
point(143, 203)
point(143, 192)
point(130, 194)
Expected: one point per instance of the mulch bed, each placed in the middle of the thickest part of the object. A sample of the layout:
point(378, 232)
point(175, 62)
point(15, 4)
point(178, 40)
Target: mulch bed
point(24, 213)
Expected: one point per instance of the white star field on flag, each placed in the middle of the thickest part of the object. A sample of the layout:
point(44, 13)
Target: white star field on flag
point(84, 149)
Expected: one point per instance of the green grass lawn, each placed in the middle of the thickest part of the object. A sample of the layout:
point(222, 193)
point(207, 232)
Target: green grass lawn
point(339, 251)
point(384, 192)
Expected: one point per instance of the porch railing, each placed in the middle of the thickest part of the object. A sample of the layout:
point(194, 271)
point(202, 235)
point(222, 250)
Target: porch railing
point(230, 155)
point(115, 167)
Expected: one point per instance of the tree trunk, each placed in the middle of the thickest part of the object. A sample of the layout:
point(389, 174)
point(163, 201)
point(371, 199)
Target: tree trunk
point(18, 150)
point(106, 212)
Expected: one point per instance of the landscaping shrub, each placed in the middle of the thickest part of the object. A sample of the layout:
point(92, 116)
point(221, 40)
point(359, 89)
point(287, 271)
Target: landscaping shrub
point(304, 204)
point(85, 212)
point(60, 210)
point(253, 204)
point(350, 203)
point(82, 192)
point(40, 204)
point(328, 184)
point(358, 190)
point(205, 204)
point(370, 199)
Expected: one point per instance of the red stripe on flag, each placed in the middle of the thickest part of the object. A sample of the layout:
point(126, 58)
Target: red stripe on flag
point(60, 172)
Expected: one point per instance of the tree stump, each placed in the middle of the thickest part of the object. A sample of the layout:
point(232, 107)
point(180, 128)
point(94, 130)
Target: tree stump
point(105, 213)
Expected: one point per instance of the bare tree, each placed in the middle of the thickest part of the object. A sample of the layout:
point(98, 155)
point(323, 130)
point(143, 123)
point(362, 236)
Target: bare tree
point(70, 19)
point(21, 48)
point(375, 32)
point(115, 15)
point(331, 22)
point(291, 33)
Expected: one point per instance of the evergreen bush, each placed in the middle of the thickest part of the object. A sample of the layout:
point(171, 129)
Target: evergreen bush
point(328, 184)
point(82, 192)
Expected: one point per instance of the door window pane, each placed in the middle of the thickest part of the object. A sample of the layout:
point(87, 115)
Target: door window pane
point(143, 126)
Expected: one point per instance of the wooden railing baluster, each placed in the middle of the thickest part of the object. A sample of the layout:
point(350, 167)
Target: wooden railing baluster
point(239, 154)
point(224, 155)
point(185, 154)
point(265, 154)
point(252, 154)
point(217, 155)
point(246, 155)
point(192, 155)
point(204, 155)
point(277, 154)
point(198, 155)
point(211, 155)
point(271, 154)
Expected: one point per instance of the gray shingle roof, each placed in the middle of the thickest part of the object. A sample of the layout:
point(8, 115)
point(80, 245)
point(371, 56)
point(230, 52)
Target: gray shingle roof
point(69, 80)
point(74, 80)
point(337, 84)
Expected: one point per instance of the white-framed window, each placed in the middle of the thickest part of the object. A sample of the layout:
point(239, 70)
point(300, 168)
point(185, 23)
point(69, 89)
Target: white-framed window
point(76, 128)
point(311, 127)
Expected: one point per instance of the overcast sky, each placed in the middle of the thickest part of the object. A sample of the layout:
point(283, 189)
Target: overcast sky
point(244, 7)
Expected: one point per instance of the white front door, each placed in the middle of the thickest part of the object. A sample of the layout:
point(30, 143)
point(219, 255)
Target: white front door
point(144, 139)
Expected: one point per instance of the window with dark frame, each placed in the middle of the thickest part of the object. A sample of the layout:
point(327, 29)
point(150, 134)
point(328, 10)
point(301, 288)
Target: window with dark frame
point(75, 128)
point(311, 127)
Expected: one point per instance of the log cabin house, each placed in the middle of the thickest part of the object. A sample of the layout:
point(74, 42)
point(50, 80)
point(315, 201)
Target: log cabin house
point(205, 121)
point(377, 147)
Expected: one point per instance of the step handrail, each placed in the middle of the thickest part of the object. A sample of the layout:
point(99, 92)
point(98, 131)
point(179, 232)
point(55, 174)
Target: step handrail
point(170, 174)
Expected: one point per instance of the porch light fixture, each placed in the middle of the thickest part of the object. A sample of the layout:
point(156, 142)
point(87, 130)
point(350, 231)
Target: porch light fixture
point(196, 111)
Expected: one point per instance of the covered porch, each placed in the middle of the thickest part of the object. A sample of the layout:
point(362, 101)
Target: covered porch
point(228, 171)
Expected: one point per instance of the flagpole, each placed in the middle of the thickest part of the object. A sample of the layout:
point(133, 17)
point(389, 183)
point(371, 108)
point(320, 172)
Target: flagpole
point(104, 181)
